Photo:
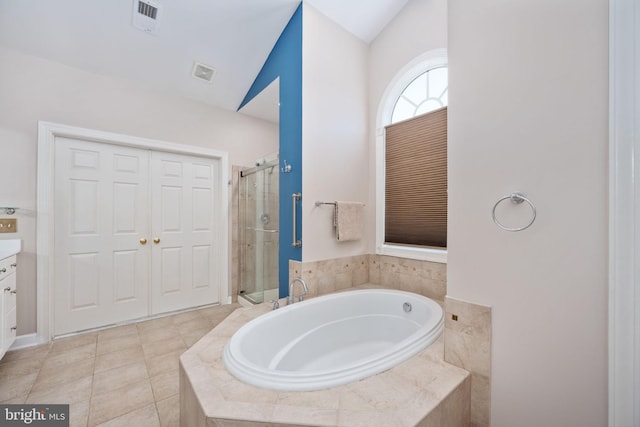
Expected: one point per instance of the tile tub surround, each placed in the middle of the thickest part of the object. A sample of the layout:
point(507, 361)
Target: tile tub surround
point(467, 344)
point(412, 275)
point(327, 276)
point(422, 391)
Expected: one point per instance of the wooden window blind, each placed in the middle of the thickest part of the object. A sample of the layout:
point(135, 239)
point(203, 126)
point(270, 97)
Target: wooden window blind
point(416, 180)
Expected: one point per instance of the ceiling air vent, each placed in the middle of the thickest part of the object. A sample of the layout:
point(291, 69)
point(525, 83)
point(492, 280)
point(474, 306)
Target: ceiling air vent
point(146, 15)
point(203, 72)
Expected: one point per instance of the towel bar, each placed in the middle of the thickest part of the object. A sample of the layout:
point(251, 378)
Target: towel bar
point(295, 242)
point(319, 203)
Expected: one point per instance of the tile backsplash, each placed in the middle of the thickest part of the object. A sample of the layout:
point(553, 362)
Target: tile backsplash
point(421, 277)
point(326, 276)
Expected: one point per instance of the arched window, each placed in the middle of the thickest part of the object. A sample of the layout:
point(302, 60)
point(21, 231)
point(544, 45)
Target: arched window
point(427, 92)
point(411, 175)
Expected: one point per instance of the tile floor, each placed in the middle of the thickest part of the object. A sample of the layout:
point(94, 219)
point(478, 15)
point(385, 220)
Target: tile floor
point(121, 376)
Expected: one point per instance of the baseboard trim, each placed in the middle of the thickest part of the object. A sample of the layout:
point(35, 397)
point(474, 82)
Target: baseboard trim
point(28, 340)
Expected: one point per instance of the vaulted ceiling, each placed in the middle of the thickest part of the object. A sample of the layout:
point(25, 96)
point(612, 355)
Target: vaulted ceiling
point(232, 36)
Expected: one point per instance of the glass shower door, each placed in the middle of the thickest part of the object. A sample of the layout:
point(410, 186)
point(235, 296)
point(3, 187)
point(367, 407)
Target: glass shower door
point(259, 232)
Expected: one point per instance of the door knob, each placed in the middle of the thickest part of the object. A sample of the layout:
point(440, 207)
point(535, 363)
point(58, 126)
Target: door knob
point(156, 240)
point(143, 241)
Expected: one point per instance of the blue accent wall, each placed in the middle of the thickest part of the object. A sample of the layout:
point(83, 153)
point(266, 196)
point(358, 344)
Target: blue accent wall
point(285, 61)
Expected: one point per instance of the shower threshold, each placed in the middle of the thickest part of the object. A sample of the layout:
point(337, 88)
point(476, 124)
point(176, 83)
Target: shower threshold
point(250, 299)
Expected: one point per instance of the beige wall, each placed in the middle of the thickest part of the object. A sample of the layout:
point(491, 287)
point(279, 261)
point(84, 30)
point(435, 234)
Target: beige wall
point(334, 132)
point(528, 112)
point(35, 89)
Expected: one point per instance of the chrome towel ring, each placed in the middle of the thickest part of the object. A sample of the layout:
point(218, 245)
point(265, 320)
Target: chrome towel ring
point(516, 198)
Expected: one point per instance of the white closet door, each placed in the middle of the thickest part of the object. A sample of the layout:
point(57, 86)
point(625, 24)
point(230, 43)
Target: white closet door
point(101, 215)
point(185, 250)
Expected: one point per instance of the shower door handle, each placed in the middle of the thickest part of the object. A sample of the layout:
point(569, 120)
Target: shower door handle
point(294, 198)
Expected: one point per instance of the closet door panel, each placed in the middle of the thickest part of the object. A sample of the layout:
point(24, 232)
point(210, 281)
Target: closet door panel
point(137, 232)
point(101, 269)
point(184, 259)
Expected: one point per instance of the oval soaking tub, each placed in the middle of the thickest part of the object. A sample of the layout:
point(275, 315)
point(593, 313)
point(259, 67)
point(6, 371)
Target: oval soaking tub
point(333, 340)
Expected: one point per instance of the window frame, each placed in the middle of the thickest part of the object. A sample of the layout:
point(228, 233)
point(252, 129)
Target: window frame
point(423, 63)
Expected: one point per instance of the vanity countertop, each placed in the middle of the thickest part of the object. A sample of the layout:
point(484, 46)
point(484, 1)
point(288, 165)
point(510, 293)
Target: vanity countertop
point(10, 247)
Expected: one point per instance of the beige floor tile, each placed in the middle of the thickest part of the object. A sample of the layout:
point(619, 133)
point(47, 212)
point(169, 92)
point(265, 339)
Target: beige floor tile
point(146, 416)
point(70, 392)
point(192, 337)
point(117, 332)
point(39, 352)
point(119, 358)
point(209, 311)
point(165, 385)
point(165, 346)
point(168, 362)
point(18, 400)
point(188, 316)
point(148, 336)
point(218, 310)
point(217, 314)
point(65, 344)
point(16, 387)
point(118, 402)
point(18, 368)
point(117, 343)
point(169, 411)
point(194, 325)
point(116, 378)
point(79, 413)
point(58, 376)
point(212, 323)
point(70, 356)
point(161, 322)
point(113, 376)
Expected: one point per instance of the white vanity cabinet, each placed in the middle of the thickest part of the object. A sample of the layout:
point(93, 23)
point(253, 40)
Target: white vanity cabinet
point(8, 267)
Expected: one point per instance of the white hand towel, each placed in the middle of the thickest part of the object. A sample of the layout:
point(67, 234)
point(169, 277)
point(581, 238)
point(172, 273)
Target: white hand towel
point(349, 220)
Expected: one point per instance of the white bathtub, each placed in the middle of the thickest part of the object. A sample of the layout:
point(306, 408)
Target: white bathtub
point(333, 340)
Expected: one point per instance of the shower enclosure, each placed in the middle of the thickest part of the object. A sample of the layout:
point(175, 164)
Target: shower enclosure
point(258, 209)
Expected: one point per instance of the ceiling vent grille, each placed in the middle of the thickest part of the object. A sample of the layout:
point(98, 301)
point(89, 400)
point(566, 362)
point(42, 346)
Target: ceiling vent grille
point(147, 10)
point(203, 72)
point(146, 15)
